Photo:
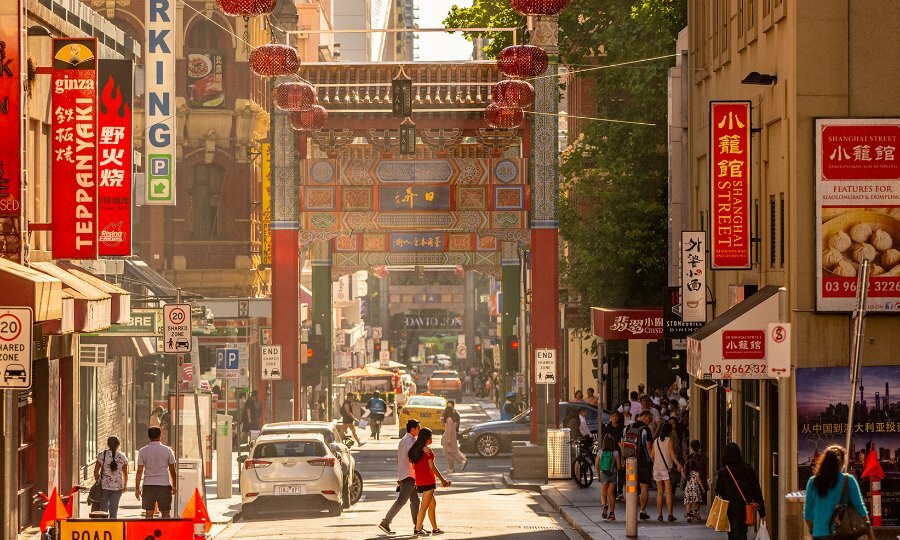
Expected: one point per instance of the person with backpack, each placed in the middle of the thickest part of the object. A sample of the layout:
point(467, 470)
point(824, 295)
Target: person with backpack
point(608, 462)
point(637, 443)
point(736, 482)
point(829, 488)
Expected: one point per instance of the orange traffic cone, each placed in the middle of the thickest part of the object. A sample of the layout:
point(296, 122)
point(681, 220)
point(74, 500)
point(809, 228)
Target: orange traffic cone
point(196, 512)
point(54, 511)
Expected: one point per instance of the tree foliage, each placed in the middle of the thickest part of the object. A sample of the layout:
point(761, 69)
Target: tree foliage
point(488, 14)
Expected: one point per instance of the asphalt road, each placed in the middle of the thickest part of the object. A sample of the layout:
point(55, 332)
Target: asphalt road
point(477, 505)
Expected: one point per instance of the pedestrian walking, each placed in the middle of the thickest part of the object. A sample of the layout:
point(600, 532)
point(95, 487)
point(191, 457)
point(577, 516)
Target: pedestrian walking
point(251, 416)
point(616, 428)
point(156, 467)
point(422, 459)
point(736, 482)
point(111, 470)
point(348, 420)
point(827, 489)
point(637, 443)
point(592, 398)
point(608, 462)
point(449, 442)
point(664, 460)
point(406, 479)
point(695, 486)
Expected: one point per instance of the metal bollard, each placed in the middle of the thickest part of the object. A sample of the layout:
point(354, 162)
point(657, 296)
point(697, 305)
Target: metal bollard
point(631, 498)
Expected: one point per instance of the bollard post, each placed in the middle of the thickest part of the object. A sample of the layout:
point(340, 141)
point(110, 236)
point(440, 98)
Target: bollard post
point(876, 501)
point(631, 498)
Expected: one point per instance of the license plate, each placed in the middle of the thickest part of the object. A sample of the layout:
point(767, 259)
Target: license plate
point(290, 490)
point(425, 414)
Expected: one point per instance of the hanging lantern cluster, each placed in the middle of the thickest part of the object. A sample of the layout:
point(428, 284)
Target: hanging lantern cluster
point(246, 8)
point(311, 119)
point(539, 7)
point(274, 60)
point(294, 96)
point(504, 117)
point(512, 93)
point(522, 61)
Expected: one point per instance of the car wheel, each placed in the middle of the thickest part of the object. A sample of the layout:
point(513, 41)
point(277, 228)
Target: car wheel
point(249, 512)
point(356, 488)
point(487, 445)
point(335, 509)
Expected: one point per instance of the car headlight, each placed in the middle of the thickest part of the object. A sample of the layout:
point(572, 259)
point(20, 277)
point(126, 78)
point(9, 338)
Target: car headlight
point(464, 434)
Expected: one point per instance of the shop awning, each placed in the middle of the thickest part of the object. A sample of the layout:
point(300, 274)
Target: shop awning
point(123, 345)
point(92, 306)
point(733, 345)
point(609, 323)
point(27, 287)
point(120, 298)
point(139, 274)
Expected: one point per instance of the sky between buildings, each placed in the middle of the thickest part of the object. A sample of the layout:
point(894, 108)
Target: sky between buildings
point(440, 46)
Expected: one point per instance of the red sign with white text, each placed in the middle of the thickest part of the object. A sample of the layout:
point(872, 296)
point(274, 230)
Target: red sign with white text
point(729, 123)
point(744, 345)
point(73, 108)
point(860, 152)
point(10, 116)
point(627, 323)
point(114, 157)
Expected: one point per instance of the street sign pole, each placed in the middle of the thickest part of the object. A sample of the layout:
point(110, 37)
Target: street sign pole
point(176, 416)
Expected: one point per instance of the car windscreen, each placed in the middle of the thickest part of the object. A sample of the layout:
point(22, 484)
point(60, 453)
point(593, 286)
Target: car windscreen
point(425, 401)
point(445, 375)
point(288, 449)
point(326, 433)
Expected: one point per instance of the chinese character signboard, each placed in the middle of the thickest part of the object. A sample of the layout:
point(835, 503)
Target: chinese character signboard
point(675, 327)
point(693, 276)
point(73, 109)
point(159, 145)
point(729, 176)
point(744, 345)
point(401, 92)
point(11, 128)
point(115, 157)
point(857, 211)
point(627, 323)
point(204, 80)
point(265, 249)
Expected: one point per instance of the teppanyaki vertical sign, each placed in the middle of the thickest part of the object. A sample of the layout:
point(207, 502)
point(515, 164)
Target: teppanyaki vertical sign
point(729, 175)
point(265, 243)
point(73, 109)
point(115, 157)
point(159, 19)
point(11, 127)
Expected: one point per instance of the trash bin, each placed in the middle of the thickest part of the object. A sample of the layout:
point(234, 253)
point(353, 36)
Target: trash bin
point(188, 480)
point(795, 526)
point(559, 459)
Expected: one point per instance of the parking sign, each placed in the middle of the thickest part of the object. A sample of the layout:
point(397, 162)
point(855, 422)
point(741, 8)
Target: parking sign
point(15, 348)
point(177, 328)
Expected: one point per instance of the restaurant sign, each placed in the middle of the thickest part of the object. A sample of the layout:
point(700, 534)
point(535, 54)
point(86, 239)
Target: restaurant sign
point(627, 323)
point(729, 175)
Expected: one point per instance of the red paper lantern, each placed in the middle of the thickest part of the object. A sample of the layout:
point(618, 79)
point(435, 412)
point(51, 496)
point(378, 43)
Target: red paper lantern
point(539, 7)
point(504, 117)
point(309, 120)
point(294, 96)
point(522, 61)
point(512, 93)
point(274, 60)
point(246, 8)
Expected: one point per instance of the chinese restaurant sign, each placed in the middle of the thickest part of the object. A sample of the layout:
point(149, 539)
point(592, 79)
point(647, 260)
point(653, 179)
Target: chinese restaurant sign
point(11, 128)
point(729, 123)
point(73, 109)
point(857, 211)
point(693, 276)
point(675, 327)
point(159, 20)
point(627, 323)
point(205, 80)
point(743, 345)
point(115, 159)
point(265, 249)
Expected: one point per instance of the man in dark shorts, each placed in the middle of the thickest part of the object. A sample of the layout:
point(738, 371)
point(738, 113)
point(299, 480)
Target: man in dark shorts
point(156, 466)
point(347, 418)
point(644, 463)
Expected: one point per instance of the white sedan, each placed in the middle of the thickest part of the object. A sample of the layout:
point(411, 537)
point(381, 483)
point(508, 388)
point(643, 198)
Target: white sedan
point(289, 471)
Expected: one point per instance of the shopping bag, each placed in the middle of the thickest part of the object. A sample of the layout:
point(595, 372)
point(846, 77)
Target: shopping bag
point(363, 424)
point(718, 516)
point(762, 533)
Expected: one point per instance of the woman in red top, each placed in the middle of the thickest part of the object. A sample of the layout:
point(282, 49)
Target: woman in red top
point(422, 458)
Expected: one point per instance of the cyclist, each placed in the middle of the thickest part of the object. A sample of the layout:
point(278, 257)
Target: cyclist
point(377, 409)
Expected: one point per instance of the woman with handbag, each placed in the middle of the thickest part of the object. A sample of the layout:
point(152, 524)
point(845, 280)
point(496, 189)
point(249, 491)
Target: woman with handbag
point(111, 474)
point(736, 482)
point(834, 506)
point(665, 463)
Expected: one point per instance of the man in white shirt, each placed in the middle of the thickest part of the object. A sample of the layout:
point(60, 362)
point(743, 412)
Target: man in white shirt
point(582, 423)
point(406, 479)
point(156, 465)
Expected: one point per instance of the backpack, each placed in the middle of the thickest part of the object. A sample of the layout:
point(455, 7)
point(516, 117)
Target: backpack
point(632, 442)
point(607, 461)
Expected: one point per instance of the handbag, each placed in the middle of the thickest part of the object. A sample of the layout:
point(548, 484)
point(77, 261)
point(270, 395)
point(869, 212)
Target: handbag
point(749, 509)
point(674, 475)
point(847, 523)
point(718, 516)
point(96, 492)
point(363, 423)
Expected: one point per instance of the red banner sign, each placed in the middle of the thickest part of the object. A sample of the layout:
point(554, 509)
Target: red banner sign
point(729, 127)
point(10, 116)
point(744, 345)
point(860, 152)
point(627, 323)
point(74, 156)
point(115, 157)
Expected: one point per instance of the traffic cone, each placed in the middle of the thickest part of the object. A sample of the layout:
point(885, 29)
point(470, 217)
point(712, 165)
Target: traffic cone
point(196, 512)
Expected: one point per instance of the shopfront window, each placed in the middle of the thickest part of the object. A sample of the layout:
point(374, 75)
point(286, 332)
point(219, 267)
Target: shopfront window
point(750, 423)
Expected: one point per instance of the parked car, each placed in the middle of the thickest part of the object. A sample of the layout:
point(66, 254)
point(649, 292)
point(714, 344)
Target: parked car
point(446, 382)
point(489, 439)
point(425, 408)
point(289, 471)
point(353, 481)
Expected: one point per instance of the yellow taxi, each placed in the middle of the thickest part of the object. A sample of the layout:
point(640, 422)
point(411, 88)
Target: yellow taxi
point(427, 409)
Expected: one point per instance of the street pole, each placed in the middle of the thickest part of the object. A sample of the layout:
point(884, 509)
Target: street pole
point(856, 342)
point(631, 498)
point(176, 420)
point(200, 435)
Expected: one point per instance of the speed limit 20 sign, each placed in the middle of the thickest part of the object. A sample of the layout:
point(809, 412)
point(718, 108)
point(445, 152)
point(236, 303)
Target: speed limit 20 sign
point(15, 348)
point(177, 328)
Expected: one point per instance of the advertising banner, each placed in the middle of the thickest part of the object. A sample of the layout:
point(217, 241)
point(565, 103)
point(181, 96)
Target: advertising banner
point(729, 176)
point(265, 250)
point(823, 395)
point(674, 325)
point(857, 211)
point(115, 79)
point(693, 276)
point(73, 109)
point(627, 323)
point(204, 80)
point(11, 128)
point(159, 145)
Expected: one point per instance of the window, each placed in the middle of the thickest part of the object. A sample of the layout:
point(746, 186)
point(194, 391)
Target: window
point(740, 17)
point(750, 423)
point(203, 35)
point(720, 27)
point(781, 228)
point(772, 228)
point(750, 14)
point(767, 7)
point(205, 191)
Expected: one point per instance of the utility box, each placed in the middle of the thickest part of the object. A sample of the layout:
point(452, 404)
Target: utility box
point(529, 462)
point(189, 471)
point(795, 526)
point(223, 456)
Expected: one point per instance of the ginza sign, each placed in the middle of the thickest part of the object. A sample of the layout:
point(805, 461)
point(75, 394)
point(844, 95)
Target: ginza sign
point(729, 175)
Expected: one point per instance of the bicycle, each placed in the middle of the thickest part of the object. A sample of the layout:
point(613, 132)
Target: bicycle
point(376, 421)
point(583, 462)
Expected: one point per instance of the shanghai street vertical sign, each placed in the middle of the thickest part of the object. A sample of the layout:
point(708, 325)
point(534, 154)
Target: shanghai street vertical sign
point(115, 157)
point(159, 19)
point(11, 127)
point(73, 111)
point(729, 176)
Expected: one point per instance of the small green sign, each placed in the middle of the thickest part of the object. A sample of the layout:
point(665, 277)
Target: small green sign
point(144, 322)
